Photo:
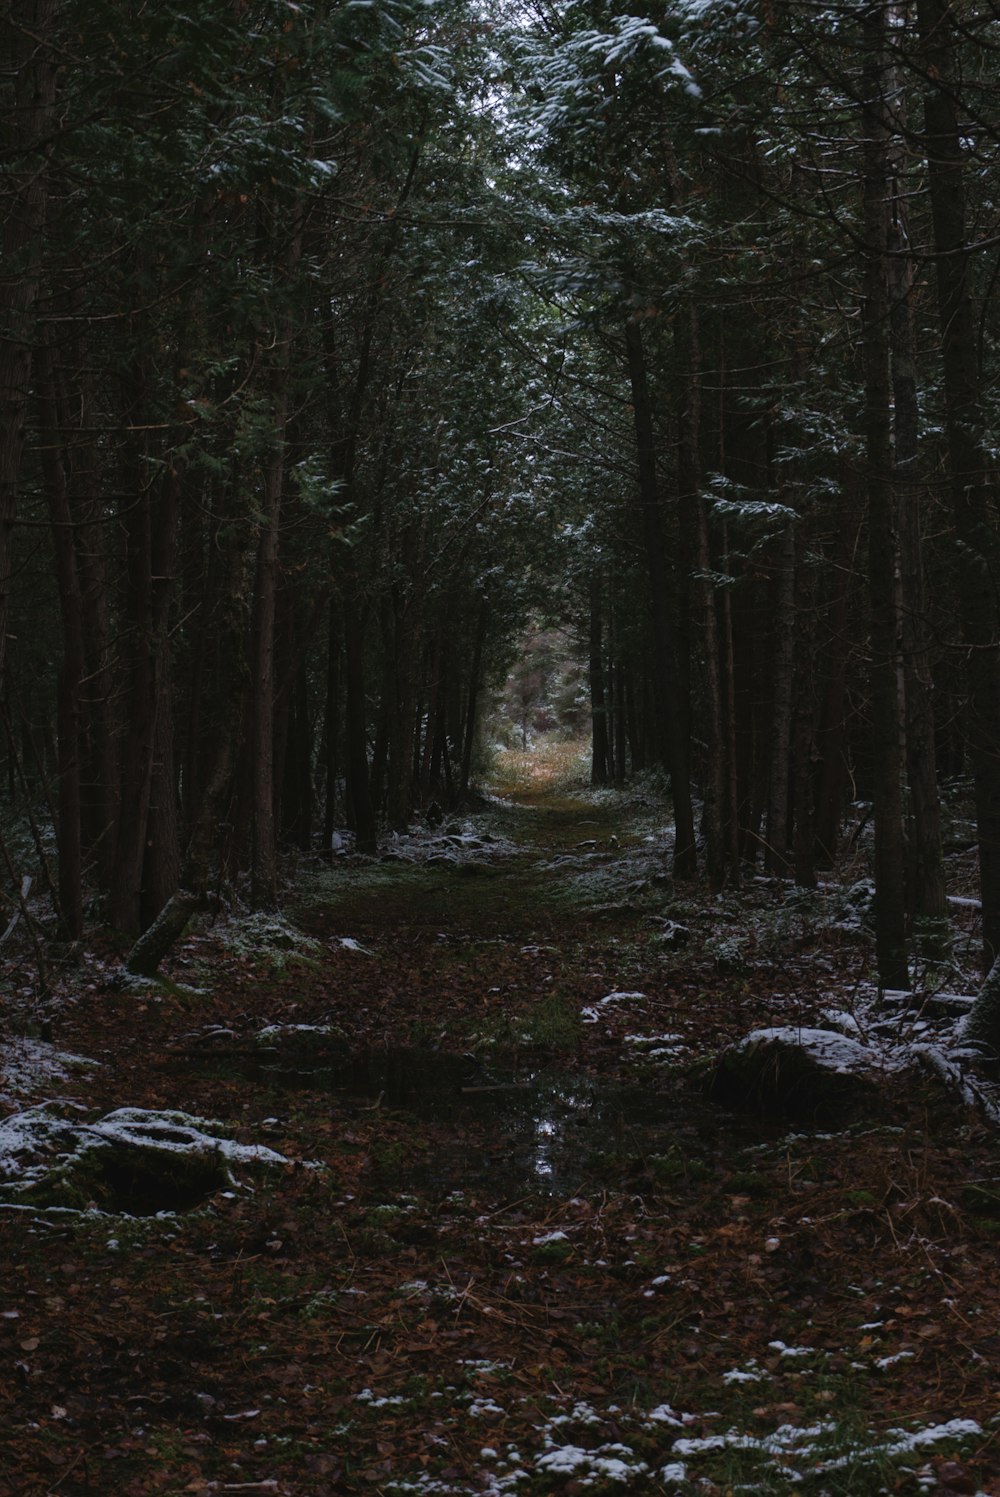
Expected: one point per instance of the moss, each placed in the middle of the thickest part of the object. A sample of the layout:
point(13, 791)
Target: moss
point(132, 1180)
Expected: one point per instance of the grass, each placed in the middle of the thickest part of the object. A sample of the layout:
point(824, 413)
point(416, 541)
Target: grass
point(551, 1024)
point(552, 765)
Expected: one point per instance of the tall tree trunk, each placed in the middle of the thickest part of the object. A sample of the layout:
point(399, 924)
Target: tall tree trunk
point(803, 724)
point(928, 896)
point(598, 691)
point(71, 669)
point(783, 676)
point(264, 876)
point(211, 816)
point(971, 466)
point(695, 518)
point(834, 709)
point(332, 712)
point(472, 698)
point(161, 864)
point(403, 646)
point(143, 664)
point(675, 711)
point(356, 720)
point(620, 723)
point(886, 744)
point(23, 201)
point(714, 786)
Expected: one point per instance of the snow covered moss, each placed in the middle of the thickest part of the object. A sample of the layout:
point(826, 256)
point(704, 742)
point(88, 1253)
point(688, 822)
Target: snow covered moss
point(269, 938)
point(133, 1161)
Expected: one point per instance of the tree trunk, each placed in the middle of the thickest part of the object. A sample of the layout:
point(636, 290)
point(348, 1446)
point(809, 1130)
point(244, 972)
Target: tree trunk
point(803, 724)
point(890, 860)
point(142, 697)
point(695, 518)
point(71, 669)
point(264, 873)
point(598, 693)
point(928, 897)
point(621, 727)
point(332, 710)
point(970, 464)
point(675, 711)
point(402, 644)
point(472, 699)
point(356, 721)
point(778, 779)
point(715, 777)
point(213, 813)
point(23, 201)
point(835, 708)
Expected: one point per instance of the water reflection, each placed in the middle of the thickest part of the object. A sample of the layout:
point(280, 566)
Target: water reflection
point(496, 1125)
point(545, 1132)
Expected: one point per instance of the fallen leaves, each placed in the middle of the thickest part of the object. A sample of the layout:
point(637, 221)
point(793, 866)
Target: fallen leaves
point(722, 1269)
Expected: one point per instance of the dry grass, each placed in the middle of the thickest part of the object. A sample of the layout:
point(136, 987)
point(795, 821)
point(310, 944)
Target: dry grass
point(551, 764)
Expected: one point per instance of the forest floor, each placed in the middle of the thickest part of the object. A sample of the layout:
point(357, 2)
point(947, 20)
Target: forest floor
point(510, 1246)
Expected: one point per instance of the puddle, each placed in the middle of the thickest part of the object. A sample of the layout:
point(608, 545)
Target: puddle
point(501, 1126)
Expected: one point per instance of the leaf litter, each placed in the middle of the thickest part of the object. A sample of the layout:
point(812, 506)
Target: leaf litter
point(689, 1300)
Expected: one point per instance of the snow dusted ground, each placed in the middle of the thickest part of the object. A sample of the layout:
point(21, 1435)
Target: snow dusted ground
point(597, 1450)
point(528, 1416)
point(30, 1066)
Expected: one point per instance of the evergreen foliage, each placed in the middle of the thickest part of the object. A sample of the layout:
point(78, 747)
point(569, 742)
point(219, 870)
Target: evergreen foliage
point(342, 337)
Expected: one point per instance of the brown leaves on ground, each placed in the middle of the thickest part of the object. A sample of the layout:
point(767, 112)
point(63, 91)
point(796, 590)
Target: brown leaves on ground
point(417, 1316)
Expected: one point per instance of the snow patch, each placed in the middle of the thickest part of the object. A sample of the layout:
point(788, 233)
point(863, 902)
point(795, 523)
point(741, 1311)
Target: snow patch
point(835, 1052)
point(608, 1462)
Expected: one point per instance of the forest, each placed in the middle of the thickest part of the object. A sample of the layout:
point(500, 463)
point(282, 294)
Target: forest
point(341, 339)
point(499, 512)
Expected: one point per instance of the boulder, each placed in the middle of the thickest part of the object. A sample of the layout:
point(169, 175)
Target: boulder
point(811, 1075)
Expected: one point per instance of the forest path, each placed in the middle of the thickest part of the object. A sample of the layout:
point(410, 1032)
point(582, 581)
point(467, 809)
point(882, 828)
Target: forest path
point(553, 1267)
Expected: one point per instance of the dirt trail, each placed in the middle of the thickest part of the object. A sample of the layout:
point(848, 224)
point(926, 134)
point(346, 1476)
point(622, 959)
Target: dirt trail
point(434, 1299)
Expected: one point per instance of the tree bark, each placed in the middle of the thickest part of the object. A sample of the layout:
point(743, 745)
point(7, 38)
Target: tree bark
point(778, 779)
point(472, 699)
point(332, 712)
point(71, 669)
point(264, 872)
point(23, 202)
point(213, 813)
point(598, 692)
point(150, 542)
point(971, 469)
point(675, 711)
point(927, 892)
point(713, 779)
point(890, 860)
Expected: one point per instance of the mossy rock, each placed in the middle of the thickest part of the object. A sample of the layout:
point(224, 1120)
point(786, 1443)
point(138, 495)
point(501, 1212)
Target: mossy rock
point(809, 1075)
point(130, 1180)
point(133, 1161)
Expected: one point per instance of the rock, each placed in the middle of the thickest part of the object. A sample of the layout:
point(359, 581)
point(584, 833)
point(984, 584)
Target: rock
point(673, 935)
point(811, 1075)
point(132, 1161)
